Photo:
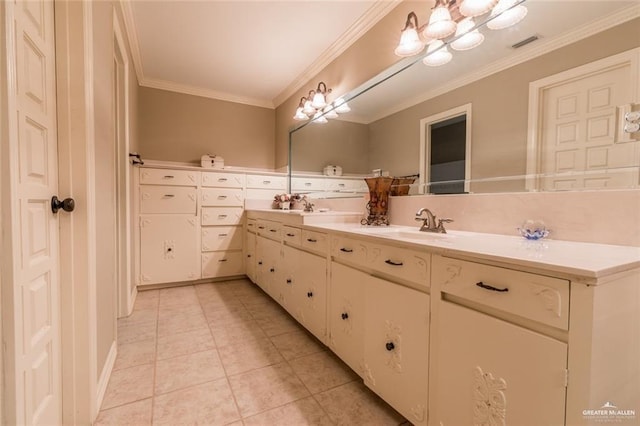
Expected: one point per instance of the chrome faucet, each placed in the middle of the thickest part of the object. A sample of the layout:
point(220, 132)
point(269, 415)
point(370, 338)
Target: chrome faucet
point(308, 205)
point(429, 223)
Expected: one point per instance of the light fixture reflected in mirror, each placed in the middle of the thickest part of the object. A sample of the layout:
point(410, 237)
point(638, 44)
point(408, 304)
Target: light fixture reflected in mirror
point(454, 17)
point(316, 106)
point(341, 107)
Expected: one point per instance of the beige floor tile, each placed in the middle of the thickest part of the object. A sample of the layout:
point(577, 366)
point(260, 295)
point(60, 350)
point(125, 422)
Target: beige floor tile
point(178, 296)
point(353, 404)
point(128, 385)
point(296, 344)
point(274, 325)
point(185, 343)
point(263, 309)
point(298, 413)
point(134, 414)
point(227, 305)
point(145, 303)
point(227, 317)
point(140, 316)
point(188, 370)
point(253, 299)
point(234, 333)
point(136, 353)
point(248, 355)
point(266, 388)
point(210, 403)
point(171, 311)
point(135, 333)
point(181, 323)
point(322, 371)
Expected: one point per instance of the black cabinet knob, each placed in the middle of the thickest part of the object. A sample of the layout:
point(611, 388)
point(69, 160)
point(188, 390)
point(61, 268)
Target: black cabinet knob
point(390, 346)
point(289, 281)
point(344, 315)
point(68, 204)
point(260, 263)
point(310, 294)
point(272, 270)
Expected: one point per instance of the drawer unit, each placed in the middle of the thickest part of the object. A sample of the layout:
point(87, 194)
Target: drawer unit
point(222, 215)
point(349, 249)
point(303, 184)
point(266, 182)
point(223, 180)
point(347, 185)
point(222, 197)
point(222, 264)
point(270, 229)
point(316, 241)
point(169, 177)
point(536, 297)
point(406, 264)
point(251, 225)
point(216, 238)
point(167, 199)
point(292, 235)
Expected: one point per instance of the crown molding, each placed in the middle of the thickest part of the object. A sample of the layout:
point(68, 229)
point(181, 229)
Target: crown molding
point(205, 93)
point(374, 14)
point(535, 50)
point(132, 37)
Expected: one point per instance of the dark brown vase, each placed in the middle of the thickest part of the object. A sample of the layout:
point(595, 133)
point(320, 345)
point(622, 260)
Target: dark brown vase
point(378, 205)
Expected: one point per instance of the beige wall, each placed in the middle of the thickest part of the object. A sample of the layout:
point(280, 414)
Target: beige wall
point(179, 127)
point(500, 107)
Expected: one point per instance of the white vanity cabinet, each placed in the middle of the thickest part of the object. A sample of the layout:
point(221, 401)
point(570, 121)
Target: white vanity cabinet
point(346, 315)
point(250, 250)
point(310, 292)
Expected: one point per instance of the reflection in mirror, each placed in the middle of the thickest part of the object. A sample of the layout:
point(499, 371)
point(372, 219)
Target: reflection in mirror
point(512, 150)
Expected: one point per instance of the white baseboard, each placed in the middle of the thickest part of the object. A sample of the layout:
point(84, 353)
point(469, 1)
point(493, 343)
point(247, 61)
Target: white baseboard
point(103, 381)
point(132, 301)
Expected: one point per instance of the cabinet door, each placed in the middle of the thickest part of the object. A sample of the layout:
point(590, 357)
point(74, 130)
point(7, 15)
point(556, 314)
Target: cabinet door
point(396, 347)
point(169, 248)
point(288, 280)
point(268, 264)
point(346, 315)
point(491, 372)
point(311, 293)
point(250, 256)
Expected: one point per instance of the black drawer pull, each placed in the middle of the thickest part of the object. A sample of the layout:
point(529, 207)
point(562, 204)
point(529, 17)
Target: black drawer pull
point(222, 235)
point(222, 179)
point(346, 250)
point(311, 240)
point(272, 270)
point(260, 227)
point(248, 255)
point(390, 346)
point(169, 195)
point(222, 197)
point(222, 216)
point(273, 230)
point(289, 281)
point(492, 288)
point(260, 263)
point(345, 316)
point(291, 235)
point(168, 177)
point(310, 294)
point(222, 260)
point(392, 263)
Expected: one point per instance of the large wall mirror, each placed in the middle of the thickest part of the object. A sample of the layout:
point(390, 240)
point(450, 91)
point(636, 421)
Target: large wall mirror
point(549, 115)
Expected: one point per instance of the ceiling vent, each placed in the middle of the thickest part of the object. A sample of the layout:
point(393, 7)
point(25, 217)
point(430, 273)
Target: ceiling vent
point(525, 41)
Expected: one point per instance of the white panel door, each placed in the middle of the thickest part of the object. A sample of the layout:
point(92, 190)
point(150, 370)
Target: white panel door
point(34, 176)
point(582, 146)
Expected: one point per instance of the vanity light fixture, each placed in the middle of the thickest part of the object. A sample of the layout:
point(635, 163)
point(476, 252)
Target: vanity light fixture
point(455, 17)
point(314, 106)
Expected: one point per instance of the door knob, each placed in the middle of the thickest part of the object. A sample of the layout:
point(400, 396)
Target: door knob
point(68, 204)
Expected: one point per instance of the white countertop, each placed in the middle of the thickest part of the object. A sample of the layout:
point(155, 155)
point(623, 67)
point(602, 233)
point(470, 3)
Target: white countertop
point(587, 262)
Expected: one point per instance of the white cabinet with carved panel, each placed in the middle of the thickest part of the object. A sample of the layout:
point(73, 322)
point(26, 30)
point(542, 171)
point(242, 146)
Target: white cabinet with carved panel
point(396, 346)
point(288, 280)
point(310, 293)
point(346, 315)
point(250, 256)
point(169, 246)
point(268, 264)
point(264, 187)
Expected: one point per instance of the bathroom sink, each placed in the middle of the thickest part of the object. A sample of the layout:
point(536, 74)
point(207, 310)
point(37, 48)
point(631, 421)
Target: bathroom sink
point(406, 234)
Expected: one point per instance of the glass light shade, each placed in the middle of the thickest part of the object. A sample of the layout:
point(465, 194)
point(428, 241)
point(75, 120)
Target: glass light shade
point(341, 106)
point(410, 43)
point(505, 17)
point(476, 7)
point(319, 118)
point(437, 54)
point(318, 101)
point(330, 112)
point(440, 24)
point(308, 108)
point(466, 38)
point(300, 116)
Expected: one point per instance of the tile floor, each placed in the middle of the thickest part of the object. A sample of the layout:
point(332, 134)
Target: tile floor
point(227, 354)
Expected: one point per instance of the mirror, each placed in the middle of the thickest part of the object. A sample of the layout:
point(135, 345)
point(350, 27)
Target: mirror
point(383, 131)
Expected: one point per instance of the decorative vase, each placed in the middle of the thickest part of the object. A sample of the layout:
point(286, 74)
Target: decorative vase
point(378, 205)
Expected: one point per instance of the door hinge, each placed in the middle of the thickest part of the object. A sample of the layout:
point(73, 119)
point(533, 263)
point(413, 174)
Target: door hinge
point(566, 377)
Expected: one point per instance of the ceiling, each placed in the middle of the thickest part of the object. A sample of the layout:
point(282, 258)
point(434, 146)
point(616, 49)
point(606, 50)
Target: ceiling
point(260, 52)
point(255, 52)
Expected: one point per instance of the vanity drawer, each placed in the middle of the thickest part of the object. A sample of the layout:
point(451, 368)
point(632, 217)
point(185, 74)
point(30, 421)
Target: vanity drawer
point(292, 235)
point(223, 180)
point(222, 197)
point(270, 229)
point(349, 185)
point(251, 225)
point(222, 264)
point(316, 241)
point(536, 297)
point(216, 238)
point(168, 177)
point(266, 182)
point(349, 249)
point(167, 199)
point(405, 264)
point(222, 215)
point(307, 184)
